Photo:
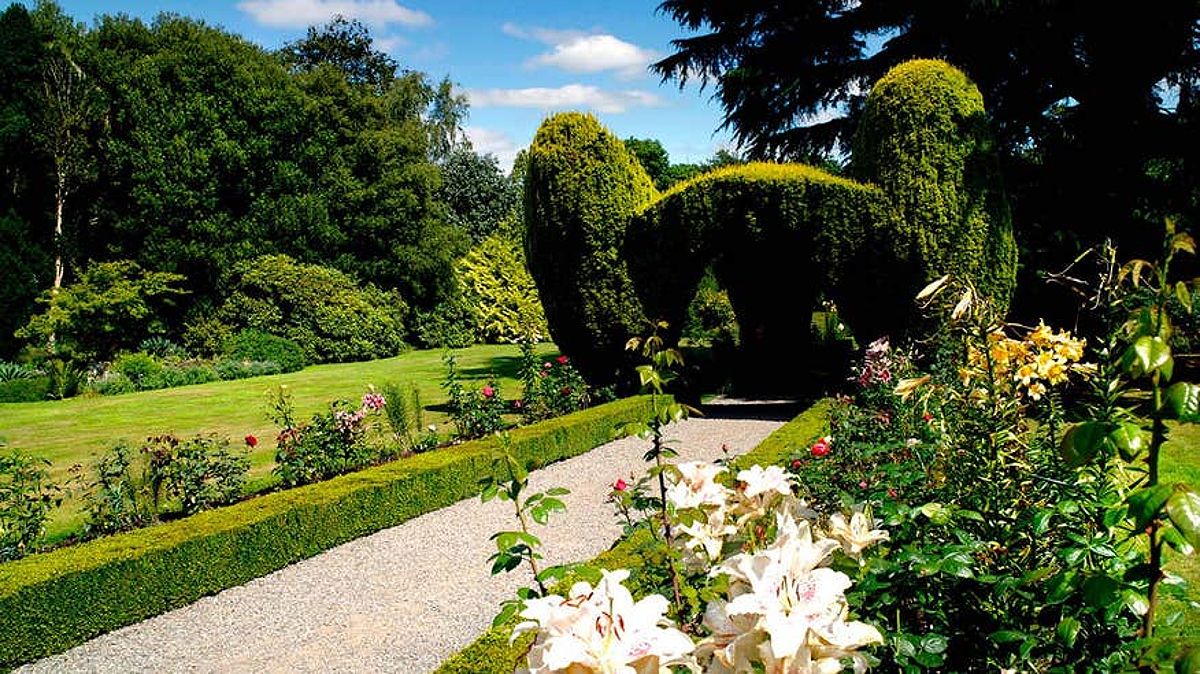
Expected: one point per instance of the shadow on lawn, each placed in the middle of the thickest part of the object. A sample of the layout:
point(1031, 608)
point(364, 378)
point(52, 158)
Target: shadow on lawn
point(508, 367)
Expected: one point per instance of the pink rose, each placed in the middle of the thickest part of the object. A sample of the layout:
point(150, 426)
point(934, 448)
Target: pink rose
point(488, 391)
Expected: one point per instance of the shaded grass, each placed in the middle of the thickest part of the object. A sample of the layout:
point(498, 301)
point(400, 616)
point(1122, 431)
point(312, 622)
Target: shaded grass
point(1180, 462)
point(77, 430)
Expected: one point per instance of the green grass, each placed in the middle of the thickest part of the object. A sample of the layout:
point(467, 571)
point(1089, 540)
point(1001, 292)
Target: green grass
point(1181, 463)
point(75, 431)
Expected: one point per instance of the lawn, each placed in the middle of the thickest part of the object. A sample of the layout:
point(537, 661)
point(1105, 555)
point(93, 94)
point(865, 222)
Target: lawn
point(74, 431)
point(1181, 463)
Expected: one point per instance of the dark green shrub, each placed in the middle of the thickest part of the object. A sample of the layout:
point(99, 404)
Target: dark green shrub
point(581, 187)
point(406, 417)
point(207, 336)
point(710, 316)
point(203, 472)
point(125, 492)
point(141, 369)
point(186, 373)
point(449, 325)
point(551, 387)
point(258, 346)
point(923, 138)
point(26, 496)
point(24, 390)
point(228, 369)
point(324, 311)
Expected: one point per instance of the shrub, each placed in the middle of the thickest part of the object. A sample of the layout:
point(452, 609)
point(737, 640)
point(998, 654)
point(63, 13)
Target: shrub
point(258, 346)
point(207, 336)
point(448, 325)
point(710, 316)
point(406, 418)
point(331, 443)
point(126, 491)
point(923, 138)
point(113, 306)
point(26, 496)
point(202, 472)
point(15, 371)
point(161, 347)
point(551, 388)
point(25, 390)
point(141, 369)
point(228, 369)
point(475, 413)
point(324, 311)
point(581, 187)
point(500, 292)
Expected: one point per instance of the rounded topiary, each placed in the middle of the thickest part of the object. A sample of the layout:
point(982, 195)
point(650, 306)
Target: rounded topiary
point(258, 346)
point(581, 187)
point(923, 138)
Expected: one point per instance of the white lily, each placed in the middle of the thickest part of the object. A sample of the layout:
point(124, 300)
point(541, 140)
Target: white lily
point(769, 480)
point(697, 486)
point(857, 534)
point(707, 534)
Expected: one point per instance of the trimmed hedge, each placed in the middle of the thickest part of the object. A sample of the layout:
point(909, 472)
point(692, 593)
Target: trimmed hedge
point(581, 187)
point(24, 390)
point(775, 234)
point(50, 602)
point(491, 653)
point(924, 139)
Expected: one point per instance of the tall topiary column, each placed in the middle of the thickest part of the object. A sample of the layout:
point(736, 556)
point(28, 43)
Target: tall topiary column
point(923, 138)
point(581, 188)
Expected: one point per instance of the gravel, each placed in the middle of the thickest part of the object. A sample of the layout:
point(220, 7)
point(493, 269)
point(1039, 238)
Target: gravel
point(400, 600)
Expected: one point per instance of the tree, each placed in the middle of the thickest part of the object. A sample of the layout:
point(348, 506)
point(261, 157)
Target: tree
point(344, 44)
point(477, 194)
point(1079, 93)
point(653, 157)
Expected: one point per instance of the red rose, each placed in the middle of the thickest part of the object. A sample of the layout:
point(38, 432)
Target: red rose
point(562, 360)
point(620, 485)
point(927, 417)
point(488, 391)
point(892, 493)
point(251, 440)
point(796, 464)
point(820, 448)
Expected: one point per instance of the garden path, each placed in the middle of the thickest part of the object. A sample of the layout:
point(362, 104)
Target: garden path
point(400, 600)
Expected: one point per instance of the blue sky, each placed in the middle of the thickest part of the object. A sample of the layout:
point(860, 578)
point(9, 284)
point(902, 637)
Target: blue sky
point(517, 60)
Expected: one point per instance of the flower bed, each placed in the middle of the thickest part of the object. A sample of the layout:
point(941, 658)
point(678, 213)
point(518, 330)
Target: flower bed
point(53, 601)
point(492, 653)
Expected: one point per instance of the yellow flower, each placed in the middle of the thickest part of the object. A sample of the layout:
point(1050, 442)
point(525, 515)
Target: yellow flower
point(1041, 335)
point(1025, 374)
point(1055, 374)
point(906, 386)
point(1036, 390)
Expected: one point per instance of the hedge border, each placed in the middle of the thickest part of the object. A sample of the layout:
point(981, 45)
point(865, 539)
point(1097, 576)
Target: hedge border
point(492, 653)
point(53, 601)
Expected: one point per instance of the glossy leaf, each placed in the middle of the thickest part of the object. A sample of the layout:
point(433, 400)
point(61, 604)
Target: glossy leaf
point(1183, 400)
point(1083, 441)
point(1068, 630)
point(1147, 355)
point(1146, 504)
point(1183, 507)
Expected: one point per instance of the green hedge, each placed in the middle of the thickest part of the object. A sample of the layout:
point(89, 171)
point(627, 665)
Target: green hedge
point(24, 390)
point(491, 653)
point(50, 602)
point(581, 187)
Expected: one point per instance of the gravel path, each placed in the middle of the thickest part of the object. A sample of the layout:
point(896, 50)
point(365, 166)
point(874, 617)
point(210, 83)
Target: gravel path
point(400, 600)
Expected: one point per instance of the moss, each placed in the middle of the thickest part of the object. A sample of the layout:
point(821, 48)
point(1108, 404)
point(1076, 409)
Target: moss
point(923, 138)
point(50, 602)
point(492, 653)
point(581, 187)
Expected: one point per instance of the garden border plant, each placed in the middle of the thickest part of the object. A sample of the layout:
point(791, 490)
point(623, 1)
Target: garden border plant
point(492, 652)
point(50, 602)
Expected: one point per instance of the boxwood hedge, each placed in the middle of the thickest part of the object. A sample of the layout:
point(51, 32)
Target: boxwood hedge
point(492, 653)
point(52, 601)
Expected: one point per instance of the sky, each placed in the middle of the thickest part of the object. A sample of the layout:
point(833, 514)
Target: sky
point(517, 60)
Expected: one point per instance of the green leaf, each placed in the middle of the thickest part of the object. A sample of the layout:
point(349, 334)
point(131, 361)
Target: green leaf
point(1183, 400)
point(1189, 663)
point(1007, 636)
point(1145, 504)
point(557, 491)
point(1128, 440)
point(1147, 355)
point(1084, 441)
point(933, 643)
point(1101, 591)
point(1184, 295)
point(506, 613)
point(1183, 507)
point(936, 512)
point(1174, 539)
point(1041, 522)
point(1068, 630)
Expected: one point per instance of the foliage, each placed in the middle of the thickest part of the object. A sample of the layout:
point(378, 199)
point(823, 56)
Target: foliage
point(15, 372)
point(710, 316)
point(26, 497)
point(923, 138)
point(343, 44)
point(331, 443)
point(51, 602)
point(113, 306)
point(449, 325)
point(581, 187)
point(477, 194)
point(254, 345)
point(475, 414)
point(1081, 164)
point(25, 390)
point(202, 471)
point(551, 388)
point(654, 160)
point(496, 285)
point(125, 492)
point(321, 309)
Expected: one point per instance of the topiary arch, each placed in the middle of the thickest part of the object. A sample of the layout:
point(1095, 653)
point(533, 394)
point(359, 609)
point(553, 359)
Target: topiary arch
point(927, 202)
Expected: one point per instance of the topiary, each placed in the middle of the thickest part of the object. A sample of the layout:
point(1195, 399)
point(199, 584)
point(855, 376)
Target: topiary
point(923, 138)
point(258, 346)
point(581, 187)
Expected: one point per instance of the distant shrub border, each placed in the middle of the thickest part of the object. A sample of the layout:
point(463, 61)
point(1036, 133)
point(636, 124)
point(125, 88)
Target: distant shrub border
point(53, 601)
point(492, 653)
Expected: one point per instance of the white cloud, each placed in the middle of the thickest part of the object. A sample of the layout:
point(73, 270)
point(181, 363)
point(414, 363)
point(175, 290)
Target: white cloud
point(579, 52)
point(388, 44)
point(487, 141)
point(567, 96)
point(302, 13)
